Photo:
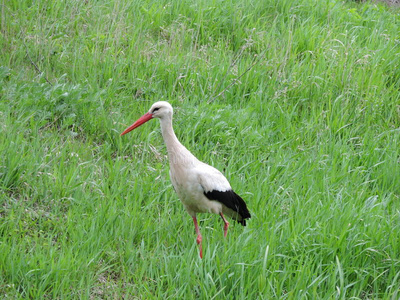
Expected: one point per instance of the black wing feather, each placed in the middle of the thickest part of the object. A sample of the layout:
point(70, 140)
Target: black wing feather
point(231, 200)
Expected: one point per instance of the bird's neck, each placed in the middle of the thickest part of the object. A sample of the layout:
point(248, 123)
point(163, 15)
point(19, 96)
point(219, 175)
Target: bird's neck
point(177, 153)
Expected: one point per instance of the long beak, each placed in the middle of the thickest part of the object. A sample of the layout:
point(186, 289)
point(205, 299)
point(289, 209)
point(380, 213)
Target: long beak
point(143, 119)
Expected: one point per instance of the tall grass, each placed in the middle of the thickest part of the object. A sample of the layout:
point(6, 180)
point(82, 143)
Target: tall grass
point(306, 130)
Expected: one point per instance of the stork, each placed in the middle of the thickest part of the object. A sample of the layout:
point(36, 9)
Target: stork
point(200, 187)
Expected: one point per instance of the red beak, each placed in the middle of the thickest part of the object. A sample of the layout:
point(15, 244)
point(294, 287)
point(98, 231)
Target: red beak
point(143, 119)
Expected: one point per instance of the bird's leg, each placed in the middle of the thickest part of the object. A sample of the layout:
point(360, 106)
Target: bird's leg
point(199, 237)
point(226, 224)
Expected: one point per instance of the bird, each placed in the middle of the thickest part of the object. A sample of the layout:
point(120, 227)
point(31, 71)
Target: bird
point(200, 187)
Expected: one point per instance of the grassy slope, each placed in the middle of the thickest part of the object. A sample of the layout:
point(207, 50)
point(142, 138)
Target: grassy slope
point(309, 137)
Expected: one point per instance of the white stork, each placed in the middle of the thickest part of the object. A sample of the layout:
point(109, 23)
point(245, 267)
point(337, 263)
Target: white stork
point(200, 187)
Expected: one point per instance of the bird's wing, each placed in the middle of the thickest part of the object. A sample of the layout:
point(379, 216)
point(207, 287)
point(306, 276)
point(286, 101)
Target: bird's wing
point(212, 179)
point(216, 187)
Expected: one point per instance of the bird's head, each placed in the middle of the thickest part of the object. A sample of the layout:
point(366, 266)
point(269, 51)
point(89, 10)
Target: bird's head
point(160, 109)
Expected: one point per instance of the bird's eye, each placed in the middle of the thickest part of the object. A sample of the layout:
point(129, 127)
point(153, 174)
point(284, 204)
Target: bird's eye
point(154, 110)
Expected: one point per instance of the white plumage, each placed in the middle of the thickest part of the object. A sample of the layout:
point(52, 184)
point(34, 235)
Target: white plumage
point(200, 187)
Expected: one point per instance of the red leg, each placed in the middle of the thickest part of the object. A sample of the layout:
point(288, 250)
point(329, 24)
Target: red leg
point(226, 224)
point(199, 237)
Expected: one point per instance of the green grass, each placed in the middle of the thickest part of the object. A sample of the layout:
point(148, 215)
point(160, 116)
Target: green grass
point(309, 136)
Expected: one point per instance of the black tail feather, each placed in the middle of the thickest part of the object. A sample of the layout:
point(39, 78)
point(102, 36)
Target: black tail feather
point(231, 200)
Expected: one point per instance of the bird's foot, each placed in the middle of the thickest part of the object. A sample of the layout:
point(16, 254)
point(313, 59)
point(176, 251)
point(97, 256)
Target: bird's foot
point(201, 252)
point(226, 224)
point(198, 240)
point(226, 229)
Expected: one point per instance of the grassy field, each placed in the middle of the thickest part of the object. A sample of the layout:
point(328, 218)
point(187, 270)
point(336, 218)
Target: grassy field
point(297, 102)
